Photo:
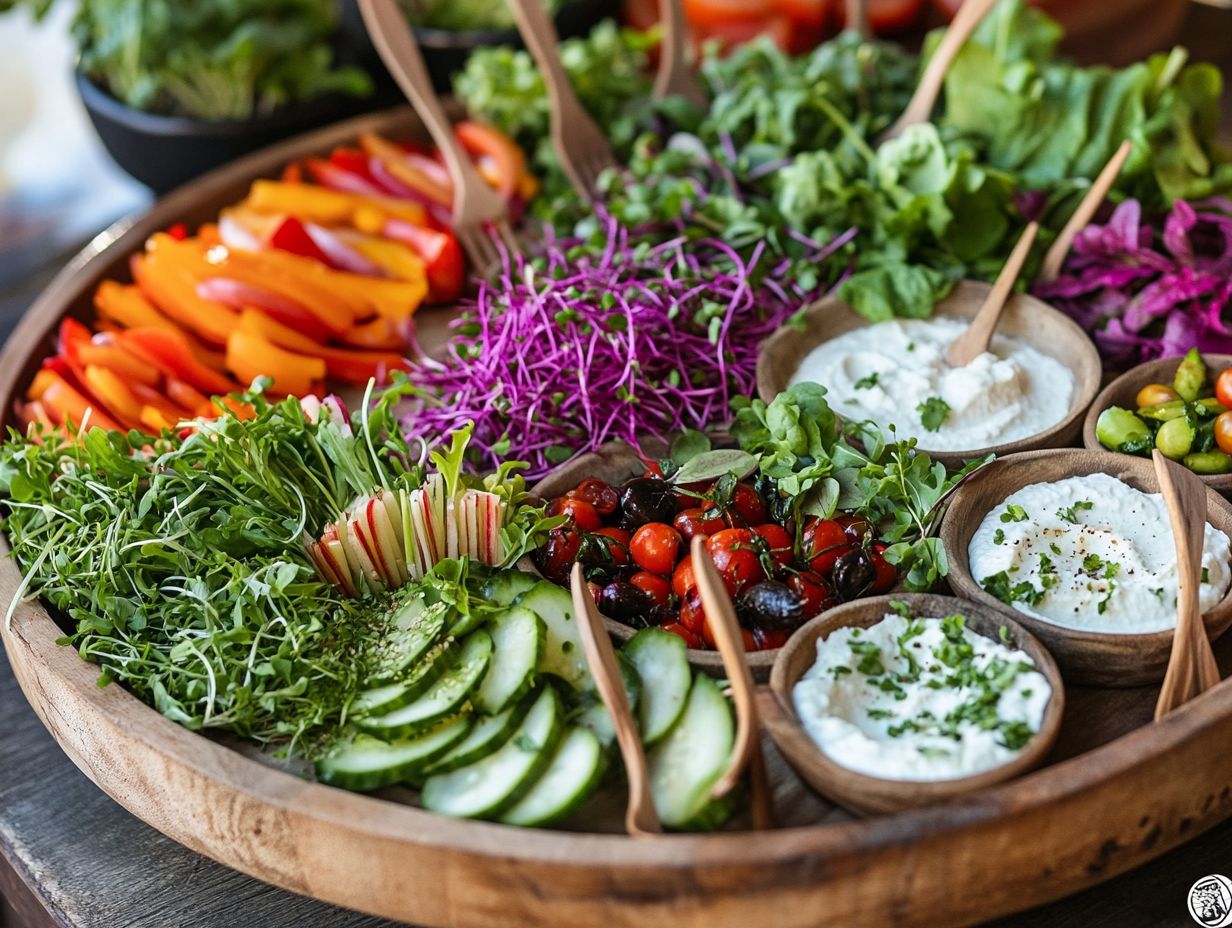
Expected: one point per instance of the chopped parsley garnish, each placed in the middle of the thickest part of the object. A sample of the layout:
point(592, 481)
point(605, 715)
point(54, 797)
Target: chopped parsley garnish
point(1070, 513)
point(1102, 606)
point(1000, 586)
point(1014, 513)
point(902, 608)
point(880, 714)
point(1206, 575)
point(1004, 634)
point(998, 537)
point(839, 671)
point(870, 658)
point(1093, 565)
point(866, 382)
point(933, 413)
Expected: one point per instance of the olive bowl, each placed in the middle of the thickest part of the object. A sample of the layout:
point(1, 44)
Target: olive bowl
point(1123, 392)
point(866, 793)
point(1033, 321)
point(1093, 658)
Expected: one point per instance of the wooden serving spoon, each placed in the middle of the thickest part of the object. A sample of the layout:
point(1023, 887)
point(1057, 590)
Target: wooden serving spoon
point(1191, 668)
point(746, 751)
point(855, 14)
point(920, 109)
point(1059, 249)
point(641, 817)
point(974, 341)
point(675, 78)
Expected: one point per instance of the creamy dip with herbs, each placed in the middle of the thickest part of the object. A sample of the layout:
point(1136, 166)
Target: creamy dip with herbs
point(920, 699)
point(895, 373)
point(1091, 553)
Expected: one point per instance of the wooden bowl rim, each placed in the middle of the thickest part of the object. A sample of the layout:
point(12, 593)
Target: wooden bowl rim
point(958, 522)
point(1137, 377)
point(864, 613)
point(1086, 376)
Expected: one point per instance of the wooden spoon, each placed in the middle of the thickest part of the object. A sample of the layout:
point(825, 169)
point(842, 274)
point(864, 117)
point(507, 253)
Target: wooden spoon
point(641, 817)
point(746, 752)
point(675, 78)
point(1082, 215)
point(920, 109)
point(974, 341)
point(1192, 668)
point(856, 18)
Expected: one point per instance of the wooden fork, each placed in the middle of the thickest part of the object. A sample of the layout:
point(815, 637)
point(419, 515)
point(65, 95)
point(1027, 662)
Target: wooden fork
point(478, 210)
point(675, 78)
point(581, 146)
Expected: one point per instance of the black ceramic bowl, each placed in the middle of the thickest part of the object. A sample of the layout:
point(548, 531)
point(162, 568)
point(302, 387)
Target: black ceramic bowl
point(165, 151)
point(445, 51)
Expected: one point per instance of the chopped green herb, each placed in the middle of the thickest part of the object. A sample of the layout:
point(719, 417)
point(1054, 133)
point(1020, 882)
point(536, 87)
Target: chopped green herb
point(866, 382)
point(1004, 634)
point(998, 537)
point(880, 714)
point(1014, 513)
point(1070, 513)
point(933, 413)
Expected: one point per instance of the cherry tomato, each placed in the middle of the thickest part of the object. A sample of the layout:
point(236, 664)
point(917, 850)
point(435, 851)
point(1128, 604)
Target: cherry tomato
point(692, 616)
point(887, 16)
point(817, 594)
point(750, 643)
point(595, 590)
point(719, 12)
point(657, 588)
point(623, 602)
point(682, 577)
point(617, 545)
point(1223, 387)
point(1155, 393)
point(1223, 432)
point(656, 547)
point(556, 557)
point(581, 512)
point(602, 496)
point(857, 528)
point(885, 574)
point(808, 13)
point(824, 542)
point(778, 541)
point(693, 496)
point(748, 504)
point(735, 557)
point(653, 469)
point(693, 521)
point(690, 640)
point(768, 640)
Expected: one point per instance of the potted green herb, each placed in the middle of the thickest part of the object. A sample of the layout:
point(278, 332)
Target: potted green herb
point(176, 87)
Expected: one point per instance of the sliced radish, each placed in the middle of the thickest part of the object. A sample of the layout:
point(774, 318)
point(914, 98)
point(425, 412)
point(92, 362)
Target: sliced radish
point(393, 515)
point(414, 557)
point(360, 547)
point(334, 552)
point(455, 528)
point(471, 512)
point(388, 541)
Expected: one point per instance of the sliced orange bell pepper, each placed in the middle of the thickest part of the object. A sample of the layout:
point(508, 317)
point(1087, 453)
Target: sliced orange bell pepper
point(35, 412)
point(394, 160)
point(356, 367)
point(186, 395)
point(380, 334)
point(156, 420)
point(102, 351)
point(508, 163)
point(250, 356)
point(113, 393)
point(151, 398)
point(170, 354)
point(325, 206)
point(284, 336)
point(127, 307)
point(170, 282)
point(66, 406)
point(396, 259)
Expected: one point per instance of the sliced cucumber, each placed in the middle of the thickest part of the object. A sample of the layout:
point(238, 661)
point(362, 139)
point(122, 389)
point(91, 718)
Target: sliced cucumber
point(494, 784)
point(562, 646)
point(380, 700)
point(416, 628)
point(365, 762)
point(446, 696)
point(487, 736)
point(567, 782)
point(466, 622)
point(505, 586)
point(662, 663)
point(593, 714)
point(517, 637)
point(693, 755)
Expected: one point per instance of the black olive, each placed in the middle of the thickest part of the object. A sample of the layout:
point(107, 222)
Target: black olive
point(771, 606)
point(647, 499)
point(778, 503)
point(624, 602)
point(555, 559)
point(854, 573)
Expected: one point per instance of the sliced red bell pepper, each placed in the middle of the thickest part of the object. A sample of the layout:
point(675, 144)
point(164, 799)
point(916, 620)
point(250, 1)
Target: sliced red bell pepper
point(186, 396)
point(65, 405)
point(508, 160)
point(102, 351)
point(395, 161)
point(170, 354)
point(335, 177)
point(290, 235)
point(380, 334)
point(443, 263)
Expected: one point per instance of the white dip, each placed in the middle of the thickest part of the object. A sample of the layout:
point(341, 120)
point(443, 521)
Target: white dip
point(1090, 553)
point(885, 371)
point(903, 699)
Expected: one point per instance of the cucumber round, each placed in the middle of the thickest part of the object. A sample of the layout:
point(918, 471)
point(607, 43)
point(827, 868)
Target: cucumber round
point(487, 735)
point(366, 763)
point(685, 764)
point(380, 700)
point(562, 646)
point(568, 781)
point(445, 697)
point(494, 784)
point(505, 586)
point(517, 639)
point(662, 663)
point(416, 628)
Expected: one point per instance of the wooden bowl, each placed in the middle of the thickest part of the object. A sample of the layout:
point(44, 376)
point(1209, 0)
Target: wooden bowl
point(1026, 317)
point(1123, 390)
point(615, 463)
point(863, 792)
point(1093, 658)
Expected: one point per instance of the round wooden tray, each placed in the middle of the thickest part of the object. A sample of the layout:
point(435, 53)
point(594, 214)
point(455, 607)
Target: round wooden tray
point(1116, 790)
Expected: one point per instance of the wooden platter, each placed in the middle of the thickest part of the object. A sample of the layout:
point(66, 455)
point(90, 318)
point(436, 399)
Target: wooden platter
point(1115, 791)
